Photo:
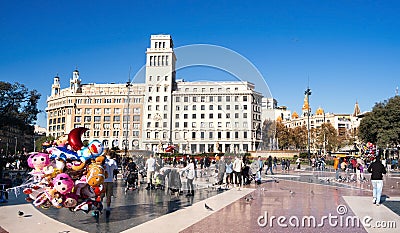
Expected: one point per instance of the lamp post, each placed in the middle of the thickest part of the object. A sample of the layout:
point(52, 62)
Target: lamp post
point(15, 149)
point(128, 85)
point(308, 93)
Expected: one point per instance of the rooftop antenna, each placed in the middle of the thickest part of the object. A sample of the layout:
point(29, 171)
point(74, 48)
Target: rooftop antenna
point(397, 91)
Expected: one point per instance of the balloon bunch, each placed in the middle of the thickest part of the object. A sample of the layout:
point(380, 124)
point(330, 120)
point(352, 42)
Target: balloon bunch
point(68, 175)
point(369, 149)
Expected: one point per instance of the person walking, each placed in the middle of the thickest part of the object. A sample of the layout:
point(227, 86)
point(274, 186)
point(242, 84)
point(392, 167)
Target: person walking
point(237, 168)
point(109, 166)
point(269, 165)
point(189, 176)
point(377, 170)
point(150, 168)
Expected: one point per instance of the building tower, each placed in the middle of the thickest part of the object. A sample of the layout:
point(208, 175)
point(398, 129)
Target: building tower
point(159, 84)
point(55, 88)
point(75, 82)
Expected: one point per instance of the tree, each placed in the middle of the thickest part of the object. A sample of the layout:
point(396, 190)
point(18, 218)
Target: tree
point(298, 137)
point(283, 135)
point(381, 126)
point(327, 134)
point(268, 133)
point(18, 105)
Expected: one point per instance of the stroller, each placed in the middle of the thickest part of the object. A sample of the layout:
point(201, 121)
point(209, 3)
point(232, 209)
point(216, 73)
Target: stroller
point(159, 181)
point(174, 182)
point(132, 178)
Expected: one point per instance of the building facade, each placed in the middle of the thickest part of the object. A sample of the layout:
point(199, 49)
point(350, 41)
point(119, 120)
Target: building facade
point(193, 116)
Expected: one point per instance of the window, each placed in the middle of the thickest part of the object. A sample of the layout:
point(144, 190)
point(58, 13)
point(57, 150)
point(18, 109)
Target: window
point(185, 99)
point(211, 107)
point(88, 118)
point(193, 124)
point(203, 98)
point(245, 107)
point(219, 107)
point(136, 118)
point(194, 99)
point(165, 98)
point(107, 118)
point(185, 107)
point(176, 124)
point(236, 135)
point(211, 116)
point(97, 111)
point(97, 118)
point(193, 135)
point(211, 98)
point(210, 135)
point(219, 115)
point(88, 111)
point(228, 99)
point(194, 107)
point(78, 119)
point(228, 107)
point(244, 115)
point(203, 107)
point(106, 125)
point(193, 116)
point(116, 125)
point(176, 116)
point(219, 98)
point(177, 99)
point(185, 116)
point(228, 135)
point(136, 125)
point(245, 98)
point(244, 134)
point(117, 111)
point(202, 116)
point(202, 135)
point(236, 107)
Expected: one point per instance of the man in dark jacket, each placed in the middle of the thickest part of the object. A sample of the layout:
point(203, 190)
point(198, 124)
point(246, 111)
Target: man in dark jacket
point(377, 169)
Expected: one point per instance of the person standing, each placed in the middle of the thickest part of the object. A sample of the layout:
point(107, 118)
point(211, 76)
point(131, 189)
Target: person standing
point(229, 173)
point(336, 167)
point(221, 170)
point(109, 166)
point(190, 176)
point(150, 168)
point(237, 168)
point(377, 170)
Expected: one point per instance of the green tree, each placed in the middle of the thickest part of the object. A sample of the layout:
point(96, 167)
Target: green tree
point(381, 126)
point(298, 137)
point(18, 105)
point(327, 134)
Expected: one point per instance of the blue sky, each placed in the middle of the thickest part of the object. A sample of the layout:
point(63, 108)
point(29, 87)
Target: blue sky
point(348, 50)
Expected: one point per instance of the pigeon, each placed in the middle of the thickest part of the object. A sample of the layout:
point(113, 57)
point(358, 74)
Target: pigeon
point(291, 192)
point(276, 181)
point(20, 213)
point(249, 197)
point(312, 192)
point(392, 187)
point(263, 189)
point(207, 207)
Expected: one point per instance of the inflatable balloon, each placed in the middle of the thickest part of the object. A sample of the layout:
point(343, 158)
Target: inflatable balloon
point(38, 161)
point(70, 175)
point(75, 138)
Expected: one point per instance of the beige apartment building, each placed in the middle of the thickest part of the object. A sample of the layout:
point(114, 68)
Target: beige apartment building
point(194, 116)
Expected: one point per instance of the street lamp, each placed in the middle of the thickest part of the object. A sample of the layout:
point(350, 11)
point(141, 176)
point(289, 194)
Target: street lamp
point(128, 85)
point(308, 93)
point(16, 142)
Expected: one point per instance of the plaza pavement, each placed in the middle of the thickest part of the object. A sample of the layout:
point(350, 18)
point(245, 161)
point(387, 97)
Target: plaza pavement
point(298, 195)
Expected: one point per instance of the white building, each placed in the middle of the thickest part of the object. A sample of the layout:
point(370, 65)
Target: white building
point(194, 116)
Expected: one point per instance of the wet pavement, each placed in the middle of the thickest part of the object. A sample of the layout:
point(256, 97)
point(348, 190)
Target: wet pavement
point(292, 195)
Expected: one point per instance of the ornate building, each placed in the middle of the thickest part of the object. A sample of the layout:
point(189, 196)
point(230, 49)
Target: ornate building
point(193, 116)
